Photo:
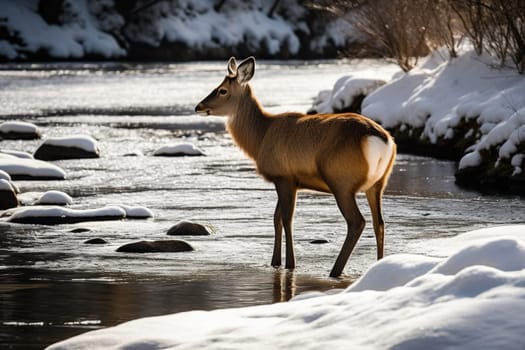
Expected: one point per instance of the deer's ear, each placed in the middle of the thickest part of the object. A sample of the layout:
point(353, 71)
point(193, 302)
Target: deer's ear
point(232, 67)
point(246, 70)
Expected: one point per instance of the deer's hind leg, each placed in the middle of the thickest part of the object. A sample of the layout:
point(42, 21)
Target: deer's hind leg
point(355, 224)
point(374, 196)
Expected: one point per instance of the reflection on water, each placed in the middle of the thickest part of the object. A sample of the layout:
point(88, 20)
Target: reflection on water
point(59, 309)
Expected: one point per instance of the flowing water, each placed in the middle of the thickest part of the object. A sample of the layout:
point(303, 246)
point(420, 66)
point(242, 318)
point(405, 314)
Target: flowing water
point(53, 286)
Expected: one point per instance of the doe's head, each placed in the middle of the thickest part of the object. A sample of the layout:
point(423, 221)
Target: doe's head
point(224, 98)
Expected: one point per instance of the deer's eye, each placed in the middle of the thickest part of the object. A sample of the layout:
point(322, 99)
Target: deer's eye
point(223, 92)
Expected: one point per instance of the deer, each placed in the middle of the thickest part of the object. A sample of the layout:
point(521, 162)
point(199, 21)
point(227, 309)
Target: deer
point(340, 154)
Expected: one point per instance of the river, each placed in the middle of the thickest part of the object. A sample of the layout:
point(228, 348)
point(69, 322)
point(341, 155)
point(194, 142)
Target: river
point(54, 286)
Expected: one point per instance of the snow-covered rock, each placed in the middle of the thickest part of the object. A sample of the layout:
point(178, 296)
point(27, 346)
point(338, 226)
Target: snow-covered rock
point(473, 298)
point(30, 169)
point(179, 150)
point(54, 198)
point(346, 96)
point(5, 176)
point(68, 147)
point(136, 212)
point(19, 154)
point(54, 215)
point(19, 130)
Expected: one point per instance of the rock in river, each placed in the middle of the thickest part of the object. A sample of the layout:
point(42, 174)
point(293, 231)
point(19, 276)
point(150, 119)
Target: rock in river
point(187, 228)
point(96, 241)
point(8, 197)
point(161, 246)
point(19, 131)
point(71, 147)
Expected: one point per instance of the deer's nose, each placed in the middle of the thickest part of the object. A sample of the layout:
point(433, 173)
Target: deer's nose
point(202, 109)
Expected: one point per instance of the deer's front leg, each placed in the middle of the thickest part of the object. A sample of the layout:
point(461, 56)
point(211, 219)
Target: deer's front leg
point(287, 191)
point(278, 226)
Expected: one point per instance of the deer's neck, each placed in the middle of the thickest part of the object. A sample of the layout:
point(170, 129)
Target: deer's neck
point(249, 123)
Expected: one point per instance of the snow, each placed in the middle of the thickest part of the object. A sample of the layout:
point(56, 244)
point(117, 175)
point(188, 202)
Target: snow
point(136, 211)
point(55, 211)
point(15, 166)
point(55, 197)
point(4, 175)
point(90, 27)
point(345, 90)
point(179, 149)
point(18, 154)
point(5, 185)
point(19, 127)
point(473, 297)
point(84, 142)
point(80, 34)
point(439, 96)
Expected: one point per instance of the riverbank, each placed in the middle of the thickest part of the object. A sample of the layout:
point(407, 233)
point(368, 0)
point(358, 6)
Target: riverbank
point(159, 31)
point(464, 109)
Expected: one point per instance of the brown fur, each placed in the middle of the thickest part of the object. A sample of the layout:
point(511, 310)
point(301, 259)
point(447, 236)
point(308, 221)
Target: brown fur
point(322, 152)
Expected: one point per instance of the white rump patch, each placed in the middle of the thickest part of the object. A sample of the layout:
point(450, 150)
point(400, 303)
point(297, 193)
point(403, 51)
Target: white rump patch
point(377, 154)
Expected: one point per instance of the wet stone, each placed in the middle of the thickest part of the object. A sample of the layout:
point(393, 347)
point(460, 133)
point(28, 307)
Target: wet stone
point(319, 241)
point(187, 228)
point(52, 152)
point(161, 246)
point(80, 230)
point(96, 241)
point(8, 199)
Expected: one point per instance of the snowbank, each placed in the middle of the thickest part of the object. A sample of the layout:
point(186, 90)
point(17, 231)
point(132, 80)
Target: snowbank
point(347, 95)
point(162, 30)
point(461, 108)
point(81, 33)
point(472, 299)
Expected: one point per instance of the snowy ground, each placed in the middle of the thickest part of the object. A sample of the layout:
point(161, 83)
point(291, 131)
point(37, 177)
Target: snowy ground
point(474, 298)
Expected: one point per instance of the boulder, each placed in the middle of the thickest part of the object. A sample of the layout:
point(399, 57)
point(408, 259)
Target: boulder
point(187, 228)
point(161, 246)
point(71, 147)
